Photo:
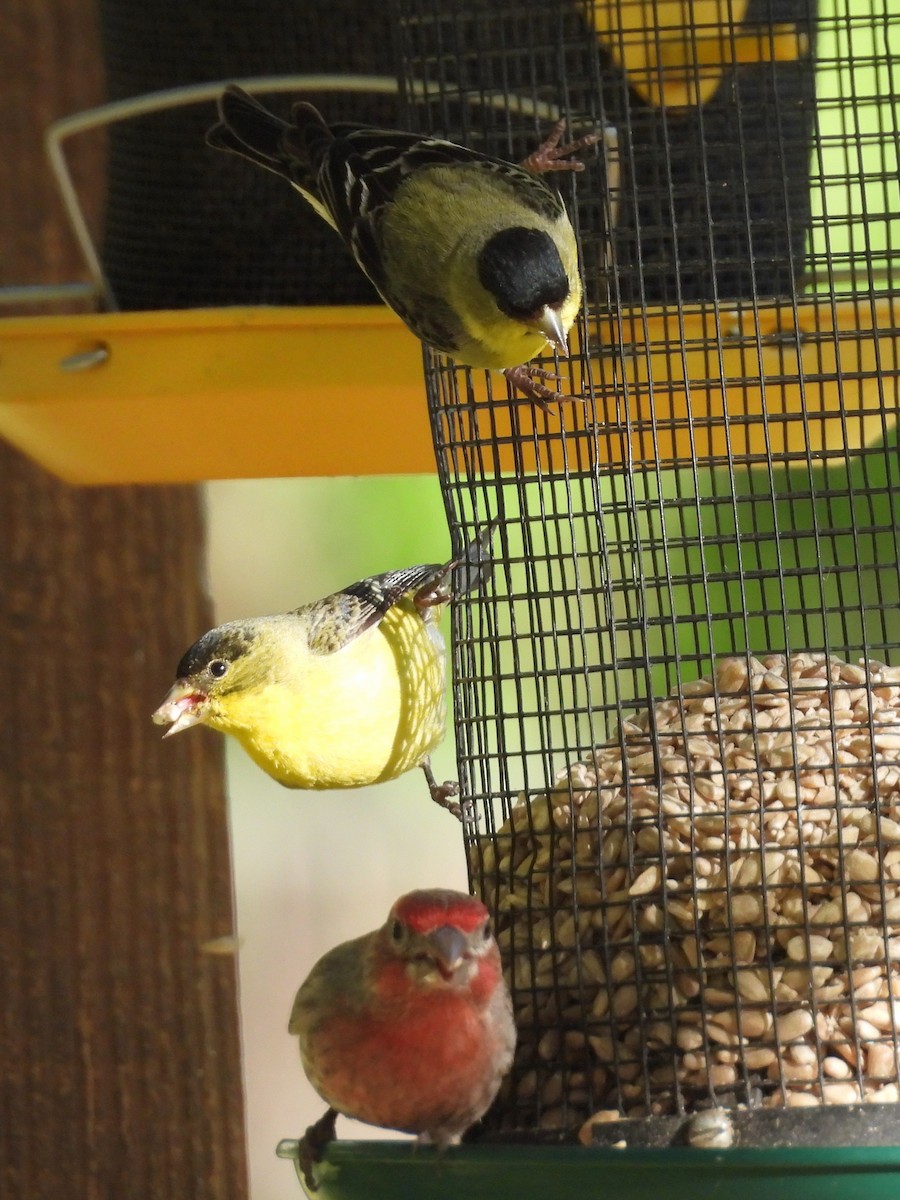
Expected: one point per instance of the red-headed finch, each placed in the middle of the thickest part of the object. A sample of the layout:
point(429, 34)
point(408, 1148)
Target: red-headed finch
point(409, 1027)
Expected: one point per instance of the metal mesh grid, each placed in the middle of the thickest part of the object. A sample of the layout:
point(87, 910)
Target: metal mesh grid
point(670, 710)
point(186, 226)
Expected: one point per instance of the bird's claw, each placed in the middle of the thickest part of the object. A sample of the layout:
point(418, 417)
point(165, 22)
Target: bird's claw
point(464, 812)
point(443, 793)
point(437, 590)
point(551, 156)
point(526, 379)
point(312, 1146)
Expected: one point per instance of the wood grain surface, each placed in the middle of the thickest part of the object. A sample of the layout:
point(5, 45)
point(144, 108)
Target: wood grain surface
point(118, 1032)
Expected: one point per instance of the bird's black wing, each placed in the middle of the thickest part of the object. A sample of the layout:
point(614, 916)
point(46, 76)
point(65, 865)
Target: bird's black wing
point(363, 168)
point(337, 620)
point(355, 172)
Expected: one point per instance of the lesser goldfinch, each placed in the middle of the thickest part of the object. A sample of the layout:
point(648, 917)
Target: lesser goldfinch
point(475, 254)
point(409, 1027)
point(341, 693)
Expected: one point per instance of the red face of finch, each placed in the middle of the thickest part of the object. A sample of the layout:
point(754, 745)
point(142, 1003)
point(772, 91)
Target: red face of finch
point(410, 1027)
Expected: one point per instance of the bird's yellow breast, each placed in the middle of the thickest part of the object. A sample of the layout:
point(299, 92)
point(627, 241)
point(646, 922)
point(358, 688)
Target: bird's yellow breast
point(430, 249)
point(366, 713)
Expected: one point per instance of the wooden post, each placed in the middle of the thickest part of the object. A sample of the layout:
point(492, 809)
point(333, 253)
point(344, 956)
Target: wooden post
point(118, 1031)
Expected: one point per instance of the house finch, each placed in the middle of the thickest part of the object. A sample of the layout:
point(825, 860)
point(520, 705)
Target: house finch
point(409, 1027)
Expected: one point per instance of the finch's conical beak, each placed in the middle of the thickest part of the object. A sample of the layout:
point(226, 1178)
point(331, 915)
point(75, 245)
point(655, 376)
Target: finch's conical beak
point(181, 708)
point(450, 946)
point(551, 326)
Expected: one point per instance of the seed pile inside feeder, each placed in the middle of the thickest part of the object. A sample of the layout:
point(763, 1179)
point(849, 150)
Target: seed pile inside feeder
point(710, 906)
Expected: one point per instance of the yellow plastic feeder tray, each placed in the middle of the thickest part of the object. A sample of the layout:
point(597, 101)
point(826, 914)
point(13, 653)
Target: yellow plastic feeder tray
point(167, 397)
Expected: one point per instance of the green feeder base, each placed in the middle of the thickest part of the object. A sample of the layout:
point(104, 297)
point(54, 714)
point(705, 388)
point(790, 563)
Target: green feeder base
point(400, 1170)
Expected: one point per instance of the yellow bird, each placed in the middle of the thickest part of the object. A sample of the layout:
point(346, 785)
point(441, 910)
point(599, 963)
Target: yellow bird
point(340, 693)
point(476, 254)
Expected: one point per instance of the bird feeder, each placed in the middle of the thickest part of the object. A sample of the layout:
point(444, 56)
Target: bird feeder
point(678, 714)
point(677, 705)
point(203, 267)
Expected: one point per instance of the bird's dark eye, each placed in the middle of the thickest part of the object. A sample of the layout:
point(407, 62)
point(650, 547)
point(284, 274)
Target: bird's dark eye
point(488, 930)
point(397, 931)
point(217, 668)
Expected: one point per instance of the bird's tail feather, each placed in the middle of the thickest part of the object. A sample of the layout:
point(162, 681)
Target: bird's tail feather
point(477, 563)
point(461, 575)
point(247, 128)
point(310, 135)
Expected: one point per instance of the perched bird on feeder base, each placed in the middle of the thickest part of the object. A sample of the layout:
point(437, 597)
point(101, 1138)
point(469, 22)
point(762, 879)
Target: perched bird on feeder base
point(341, 693)
point(475, 254)
point(409, 1027)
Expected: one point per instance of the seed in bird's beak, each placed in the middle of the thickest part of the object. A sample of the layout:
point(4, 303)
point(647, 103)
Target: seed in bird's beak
point(551, 326)
point(181, 708)
point(449, 945)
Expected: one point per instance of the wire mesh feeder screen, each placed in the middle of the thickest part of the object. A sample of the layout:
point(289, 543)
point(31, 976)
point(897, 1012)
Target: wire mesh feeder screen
point(678, 710)
point(187, 226)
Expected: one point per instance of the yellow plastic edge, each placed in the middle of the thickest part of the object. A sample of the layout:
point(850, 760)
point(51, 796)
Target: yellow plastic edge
point(252, 392)
point(216, 393)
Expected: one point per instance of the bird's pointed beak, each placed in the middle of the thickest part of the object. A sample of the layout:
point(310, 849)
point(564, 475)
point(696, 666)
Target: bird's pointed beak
point(550, 324)
point(449, 946)
point(182, 708)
